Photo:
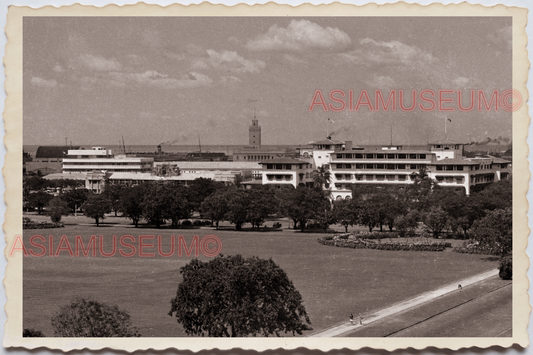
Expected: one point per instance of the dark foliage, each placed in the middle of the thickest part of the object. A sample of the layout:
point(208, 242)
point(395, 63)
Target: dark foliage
point(89, 318)
point(232, 296)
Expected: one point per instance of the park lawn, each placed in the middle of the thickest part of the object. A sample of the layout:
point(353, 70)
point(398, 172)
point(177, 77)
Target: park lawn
point(333, 282)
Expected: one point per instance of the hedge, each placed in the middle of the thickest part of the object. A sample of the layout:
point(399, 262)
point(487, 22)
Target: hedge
point(473, 247)
point(353, 241)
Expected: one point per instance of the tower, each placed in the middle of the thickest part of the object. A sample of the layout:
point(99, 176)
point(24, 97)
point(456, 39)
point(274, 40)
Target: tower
point(254, 135)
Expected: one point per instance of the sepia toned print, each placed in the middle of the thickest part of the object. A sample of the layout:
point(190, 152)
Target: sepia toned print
point(279, 178)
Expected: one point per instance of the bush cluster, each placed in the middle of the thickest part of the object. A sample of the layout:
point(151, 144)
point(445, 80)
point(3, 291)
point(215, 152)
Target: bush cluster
point(506, 267)
point(347, 240)
point(475, 247)
point(27, 223)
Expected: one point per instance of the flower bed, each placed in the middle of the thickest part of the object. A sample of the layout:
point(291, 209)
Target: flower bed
point(29, 224)
point(355, 241)
point(474, 247)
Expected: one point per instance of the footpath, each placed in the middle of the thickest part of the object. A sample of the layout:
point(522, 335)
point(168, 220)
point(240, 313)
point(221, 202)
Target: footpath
point(346, 327)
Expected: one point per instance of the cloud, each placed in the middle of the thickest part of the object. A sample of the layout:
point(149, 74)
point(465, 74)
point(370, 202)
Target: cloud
point(228, 61)
point(99, 63)
point(58, 68)
point(293, 60)
point(43, 83)
point(502, 38)
point(382, 82)
point(300, 35)
point(387, 53)
point(155, 79)
point(461, 81)
point(230, 79)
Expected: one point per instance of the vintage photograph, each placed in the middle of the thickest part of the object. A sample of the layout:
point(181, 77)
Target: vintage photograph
point(272, 176)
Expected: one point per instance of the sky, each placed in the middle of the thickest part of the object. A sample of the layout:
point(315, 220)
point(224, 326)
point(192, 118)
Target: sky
point(172, 80)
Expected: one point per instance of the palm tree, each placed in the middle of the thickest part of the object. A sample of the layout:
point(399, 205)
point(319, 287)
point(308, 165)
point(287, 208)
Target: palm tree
point(322, 178)
point(420, 175)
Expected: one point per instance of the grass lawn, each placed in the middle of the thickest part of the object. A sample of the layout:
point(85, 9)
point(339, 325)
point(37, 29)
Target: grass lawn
point(334, 282)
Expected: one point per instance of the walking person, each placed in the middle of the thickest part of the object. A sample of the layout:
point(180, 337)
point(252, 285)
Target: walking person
point(360, 319)
point(351, 318)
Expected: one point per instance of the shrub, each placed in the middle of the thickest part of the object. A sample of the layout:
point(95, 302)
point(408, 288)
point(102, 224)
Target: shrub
point(354, 241)
point(32, 333)
point(186, 223)
point(89, 318)
point(55, 217)
point(506, 267)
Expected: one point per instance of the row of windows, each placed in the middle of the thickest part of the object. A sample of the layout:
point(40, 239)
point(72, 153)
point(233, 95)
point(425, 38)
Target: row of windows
point(255, 157)
point(287, 166)
point(450, 179)
point(447, 146)
point(368, 177)
point(108, 170)
point(108, 163)
point(279, 177)
point(450, 167)
point(381, 156)
point(379, 166)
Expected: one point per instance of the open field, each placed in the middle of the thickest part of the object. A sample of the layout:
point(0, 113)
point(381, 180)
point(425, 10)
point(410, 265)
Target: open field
point(334, 282)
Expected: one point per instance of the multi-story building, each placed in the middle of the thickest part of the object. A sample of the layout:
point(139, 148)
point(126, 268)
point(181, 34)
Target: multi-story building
point(101, 159)
point(48, 159)
point(392, 165)
point(287, 171)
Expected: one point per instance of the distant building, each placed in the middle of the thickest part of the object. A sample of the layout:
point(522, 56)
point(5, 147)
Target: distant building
point(443, 161)
point(287, 171)
point(254, 134)
point(101, 159)
point(243, 168)
point(255, 152)
point(48, 160)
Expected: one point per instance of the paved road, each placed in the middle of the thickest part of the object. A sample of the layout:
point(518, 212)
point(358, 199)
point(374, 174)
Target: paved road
point(392, 319)
point(483, 309)
point(486, 316)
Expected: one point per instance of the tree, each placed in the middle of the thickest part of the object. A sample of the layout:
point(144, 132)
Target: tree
point(321, 177)
point(32, 333)
point(75, 198)
point(435, 220)
point(130, 202)
point(35, 183)
point(200, 189)
point(305, 204)
point(370, 214)
point(178, 207)
point(234, 296)
point(262, 203)
point(155, 203)
point(58, 208)
point(346, 212)
point(113, 193)
point(237, 202)
point(89, 318)
point(96, 207)
point(495, 230)
point(215, 207)
point(418, 193)
point(408, 223)
point(39, 200)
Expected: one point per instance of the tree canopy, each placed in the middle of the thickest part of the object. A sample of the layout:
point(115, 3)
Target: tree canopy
point(233, 296)
point(89, 318)
point(96, 207)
